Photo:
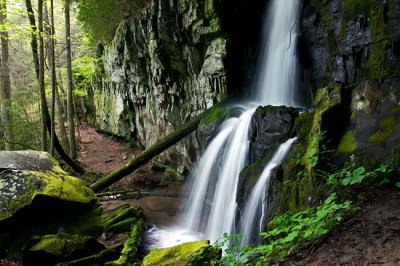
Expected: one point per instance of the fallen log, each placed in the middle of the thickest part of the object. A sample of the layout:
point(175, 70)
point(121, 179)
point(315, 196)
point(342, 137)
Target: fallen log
point(152, 151)
point(106, 196)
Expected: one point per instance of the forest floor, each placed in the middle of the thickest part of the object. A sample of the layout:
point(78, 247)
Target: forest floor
point(370, 237)
point(103, 154)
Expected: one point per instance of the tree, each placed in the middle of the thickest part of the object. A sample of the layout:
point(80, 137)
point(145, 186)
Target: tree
point(42, 92)
point(5, 79)
point(70, 103)
point(34, 42)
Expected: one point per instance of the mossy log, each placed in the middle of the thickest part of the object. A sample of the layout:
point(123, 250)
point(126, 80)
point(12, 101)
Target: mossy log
point(152, 151)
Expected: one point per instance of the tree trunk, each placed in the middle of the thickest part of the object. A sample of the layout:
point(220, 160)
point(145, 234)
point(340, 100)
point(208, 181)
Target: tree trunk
point(70, 104)
point(6, 80)
point(61, 122)
point(43, 103)
point(52, 63)
point(34, 42)
point(151, 152)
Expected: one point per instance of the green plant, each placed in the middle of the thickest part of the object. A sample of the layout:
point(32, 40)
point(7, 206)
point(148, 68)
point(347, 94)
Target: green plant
point(351, 175)
point(287, 234)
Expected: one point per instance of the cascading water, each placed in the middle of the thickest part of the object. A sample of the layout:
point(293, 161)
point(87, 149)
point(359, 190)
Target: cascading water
point(276, 77)
point(213, 191)
point(258, 195)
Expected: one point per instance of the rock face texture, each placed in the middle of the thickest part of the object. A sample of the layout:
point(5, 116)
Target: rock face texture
point(161, 69)
point(270, 126)
point(349, 41)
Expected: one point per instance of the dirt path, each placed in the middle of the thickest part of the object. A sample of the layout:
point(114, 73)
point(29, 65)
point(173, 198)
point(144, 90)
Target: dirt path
point(371, 237)
point(102, 154)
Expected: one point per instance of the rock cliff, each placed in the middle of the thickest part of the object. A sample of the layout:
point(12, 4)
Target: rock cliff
point(161, 68)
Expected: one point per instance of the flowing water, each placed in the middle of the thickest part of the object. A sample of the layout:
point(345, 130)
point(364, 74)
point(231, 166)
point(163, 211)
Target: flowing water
point(211, 209)
point(254, 217)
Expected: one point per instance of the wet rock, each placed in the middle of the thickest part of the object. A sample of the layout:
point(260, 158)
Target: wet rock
point(52, 249)
point(270, 126)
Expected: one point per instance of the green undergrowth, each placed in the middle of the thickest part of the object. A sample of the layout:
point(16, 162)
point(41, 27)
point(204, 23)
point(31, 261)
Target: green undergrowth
point(287, 234)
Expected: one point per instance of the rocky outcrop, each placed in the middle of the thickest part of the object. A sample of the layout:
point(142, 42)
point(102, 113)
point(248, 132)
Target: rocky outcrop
point(162, 68)
point(374, 128)
point(349, 41)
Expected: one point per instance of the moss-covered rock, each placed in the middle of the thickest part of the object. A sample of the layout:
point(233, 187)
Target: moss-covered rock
point(372, 134)
point(131, 245)
point(192, 253)
point(44, 202)
point(348, 143)
point(121, 219)
point(53, 249)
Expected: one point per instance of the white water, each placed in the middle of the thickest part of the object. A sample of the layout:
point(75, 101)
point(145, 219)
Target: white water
point(258, 195)
point(276, 79)
point(213, 191)
point(222, 214)
point(195, 205)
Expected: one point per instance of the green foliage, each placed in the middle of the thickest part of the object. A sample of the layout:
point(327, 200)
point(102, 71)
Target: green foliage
point(287, 234)
point(25, 124)
point(101, 17)
point(82, 71)
point(351, 175)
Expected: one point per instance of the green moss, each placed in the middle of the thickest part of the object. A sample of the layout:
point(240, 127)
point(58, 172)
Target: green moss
point(325, 99)
point(387, 126)
point(52, 184)
point(177, 255)
point(51, 249)
point(348, 143)
point(131, 245)
point(121, 219)
point(216, 113)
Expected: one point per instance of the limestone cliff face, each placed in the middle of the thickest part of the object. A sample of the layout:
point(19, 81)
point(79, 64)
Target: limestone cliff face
point(162, 68)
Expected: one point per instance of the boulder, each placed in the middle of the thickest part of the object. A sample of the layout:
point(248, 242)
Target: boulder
point(270, 126)
point(48, 201)
point(192, 253)
point(53, 249)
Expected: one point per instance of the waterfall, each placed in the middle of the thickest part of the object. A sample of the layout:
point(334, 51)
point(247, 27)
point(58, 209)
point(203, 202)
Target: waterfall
point(215, 179)
point(195, 206)
point(276, 77)
point(258, 195)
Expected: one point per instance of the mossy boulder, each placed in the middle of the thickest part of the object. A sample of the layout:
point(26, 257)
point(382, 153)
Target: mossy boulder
point(192, 253)
point(53, 249)
point(43, 202)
